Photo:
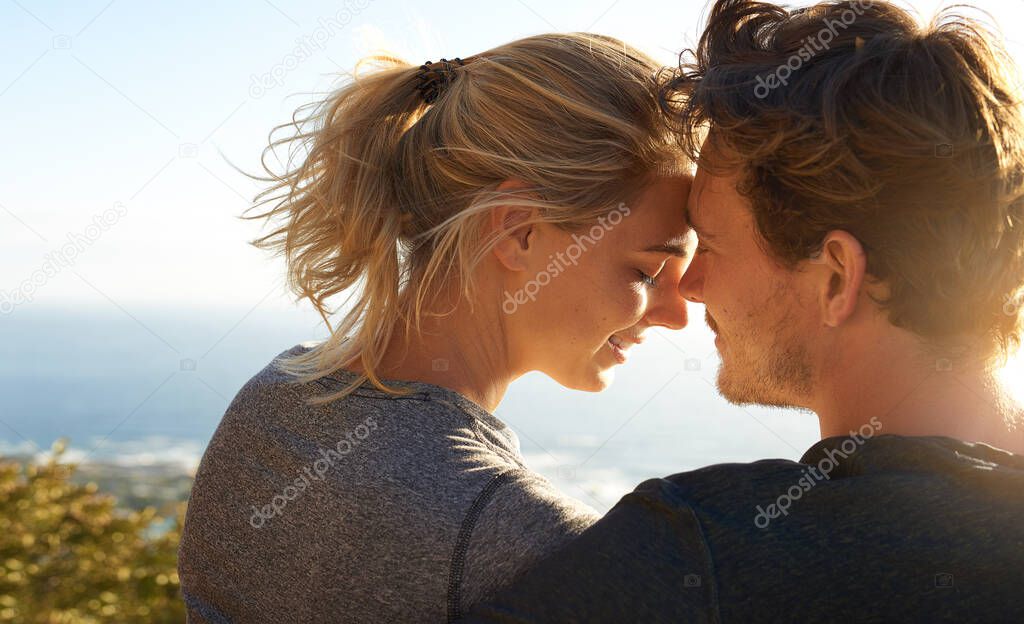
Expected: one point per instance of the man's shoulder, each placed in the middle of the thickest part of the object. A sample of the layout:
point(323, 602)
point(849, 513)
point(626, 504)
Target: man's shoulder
point(864, 477)
point(834, 461)
point(732, 479)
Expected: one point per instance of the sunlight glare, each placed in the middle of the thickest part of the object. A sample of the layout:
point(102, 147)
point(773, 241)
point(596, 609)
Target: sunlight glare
point(1012, 376)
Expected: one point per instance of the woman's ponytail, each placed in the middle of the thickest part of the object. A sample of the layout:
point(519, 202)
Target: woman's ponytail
point(342, 218)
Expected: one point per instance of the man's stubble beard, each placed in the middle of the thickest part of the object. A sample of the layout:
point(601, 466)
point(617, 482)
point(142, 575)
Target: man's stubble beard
point(779, 376)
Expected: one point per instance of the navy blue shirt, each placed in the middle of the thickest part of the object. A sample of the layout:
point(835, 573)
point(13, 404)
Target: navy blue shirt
point(883, 529)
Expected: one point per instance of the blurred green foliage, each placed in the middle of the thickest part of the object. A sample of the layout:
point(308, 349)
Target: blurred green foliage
point(68, 554)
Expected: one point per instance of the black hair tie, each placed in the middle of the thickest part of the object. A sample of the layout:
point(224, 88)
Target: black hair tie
point(434, 79)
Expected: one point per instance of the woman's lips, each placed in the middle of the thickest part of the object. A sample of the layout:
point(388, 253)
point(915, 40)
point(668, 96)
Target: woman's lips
point(617, 350)
point(619, 347)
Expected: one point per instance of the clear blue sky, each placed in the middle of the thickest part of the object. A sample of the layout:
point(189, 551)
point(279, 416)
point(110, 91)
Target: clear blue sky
point(137, 104)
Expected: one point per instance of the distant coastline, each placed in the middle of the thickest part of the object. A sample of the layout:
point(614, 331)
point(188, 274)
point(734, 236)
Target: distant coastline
point(160, 485)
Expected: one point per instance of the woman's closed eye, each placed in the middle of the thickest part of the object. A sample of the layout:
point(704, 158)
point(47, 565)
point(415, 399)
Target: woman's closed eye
point(650, 278)
point(647, 280)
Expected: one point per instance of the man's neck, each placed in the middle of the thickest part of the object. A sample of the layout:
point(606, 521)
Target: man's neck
point(912, 396)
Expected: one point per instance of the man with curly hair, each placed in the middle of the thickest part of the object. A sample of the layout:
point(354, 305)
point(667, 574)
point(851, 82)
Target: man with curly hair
point(859, 202)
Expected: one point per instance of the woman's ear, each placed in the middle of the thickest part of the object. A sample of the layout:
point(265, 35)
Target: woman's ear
point(514, 228)
point(844, 264)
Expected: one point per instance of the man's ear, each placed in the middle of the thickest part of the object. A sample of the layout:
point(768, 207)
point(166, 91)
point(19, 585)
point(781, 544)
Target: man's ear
point(511, 225)
point(843, 265)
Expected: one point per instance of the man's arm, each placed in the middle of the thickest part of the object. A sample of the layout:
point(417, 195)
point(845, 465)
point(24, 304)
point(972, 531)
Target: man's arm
point(523, 519)
point(645, 562)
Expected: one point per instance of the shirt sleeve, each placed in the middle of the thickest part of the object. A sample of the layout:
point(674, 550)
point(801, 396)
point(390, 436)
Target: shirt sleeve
point(645, 561)
point(516, 520)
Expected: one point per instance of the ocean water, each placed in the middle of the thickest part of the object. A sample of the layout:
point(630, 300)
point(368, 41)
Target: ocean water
point(145, 386)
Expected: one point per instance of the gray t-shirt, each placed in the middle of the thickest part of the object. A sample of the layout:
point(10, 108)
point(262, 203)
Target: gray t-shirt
point(373, 508)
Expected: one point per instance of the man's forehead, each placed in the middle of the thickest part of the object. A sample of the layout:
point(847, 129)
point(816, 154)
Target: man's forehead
point(694, 203)
point(715, 206)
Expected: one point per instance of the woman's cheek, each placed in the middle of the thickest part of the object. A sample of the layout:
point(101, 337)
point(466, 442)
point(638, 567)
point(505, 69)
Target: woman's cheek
point(634, 303)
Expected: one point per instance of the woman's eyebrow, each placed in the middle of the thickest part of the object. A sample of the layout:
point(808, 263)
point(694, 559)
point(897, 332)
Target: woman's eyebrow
point(675, 247)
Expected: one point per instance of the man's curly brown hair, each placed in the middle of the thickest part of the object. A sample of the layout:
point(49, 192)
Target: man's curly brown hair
point(850, 116)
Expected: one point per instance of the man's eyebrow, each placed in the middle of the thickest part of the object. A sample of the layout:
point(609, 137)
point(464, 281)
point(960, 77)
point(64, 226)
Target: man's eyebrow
point(702, 234)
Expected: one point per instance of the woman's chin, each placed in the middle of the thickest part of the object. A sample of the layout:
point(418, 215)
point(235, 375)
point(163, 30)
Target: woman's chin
point(604, 380)
point(594, 380)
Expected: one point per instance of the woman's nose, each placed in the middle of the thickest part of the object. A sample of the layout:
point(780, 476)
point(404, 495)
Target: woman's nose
point(669, 310)
point(691, 286)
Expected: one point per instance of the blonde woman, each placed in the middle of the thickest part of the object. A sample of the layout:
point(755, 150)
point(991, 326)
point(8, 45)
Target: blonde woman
point(520, 210)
